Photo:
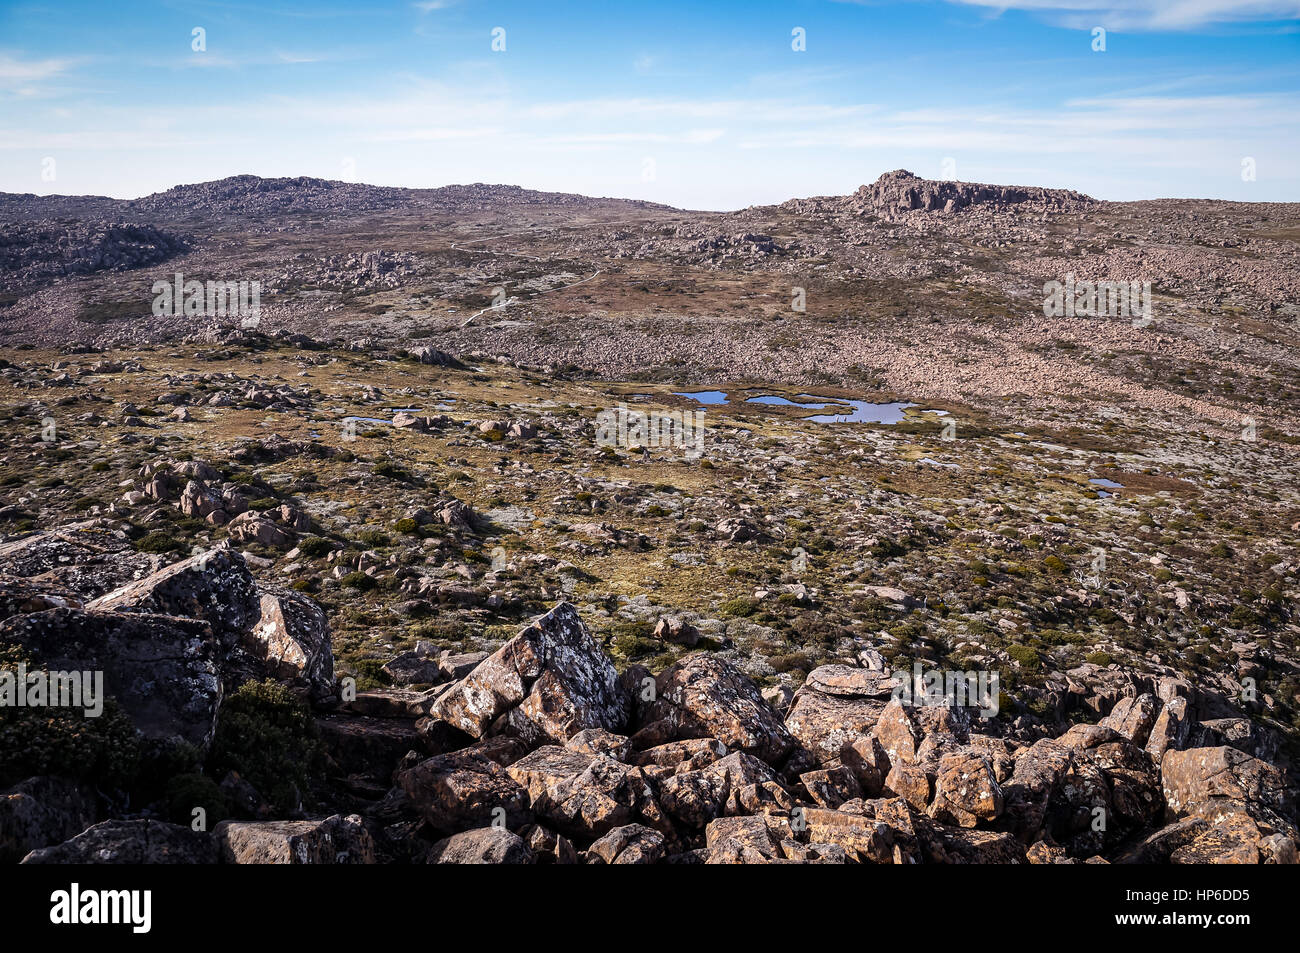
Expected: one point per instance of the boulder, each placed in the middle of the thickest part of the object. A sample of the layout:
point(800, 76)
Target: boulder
point(331, 840)
point(581, 795)
point(629, 844)
point(214, 586)
point(1213, 781)
point(545, 685)
point(483, 845)
point(41, 811)
point(1171, 730)
point(966, 790)
point(252, 527)
point(957, 845)
point(734, 785)
point(83, 558)
point(1232, 839)
point(140, 841)
point(827, 724)
point(703, 696)
point(163, 670)
point(1134, 717)
point(291, 638)
point(753, 839)
point(455, 792)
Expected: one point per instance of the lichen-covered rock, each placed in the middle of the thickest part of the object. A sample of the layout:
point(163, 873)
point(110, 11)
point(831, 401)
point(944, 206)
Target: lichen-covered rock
point(131, 842)
point(20, 597)
point(331, 840)
point(957, 845)
point(1211, 781)
point(966, 790)
point(163, 670)
point(84, 558)
point(827, 724)
point(1133, 717)
point(291, 638)
point(734, 785)
point(1171, 730)
point(629, 844)
point(455, 792)
point(545, 685)
point(703, 696)
point(214, 586)
point(582, 795)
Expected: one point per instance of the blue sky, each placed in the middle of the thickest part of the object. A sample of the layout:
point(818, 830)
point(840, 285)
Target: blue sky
point(701, 105)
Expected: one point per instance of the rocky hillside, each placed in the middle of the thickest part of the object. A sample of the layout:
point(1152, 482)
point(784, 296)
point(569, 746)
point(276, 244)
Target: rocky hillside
point(544, 752)
point(253, 200)
point(38, 252)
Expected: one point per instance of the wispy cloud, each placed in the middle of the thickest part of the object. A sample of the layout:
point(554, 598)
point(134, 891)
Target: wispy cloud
point(1147, 14)
point(16, 72)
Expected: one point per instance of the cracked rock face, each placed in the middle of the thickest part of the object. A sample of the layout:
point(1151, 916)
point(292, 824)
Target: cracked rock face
point(1207, 781)
point(706, 697)
point(215, 586)
point(548, 683)
point(292, 638)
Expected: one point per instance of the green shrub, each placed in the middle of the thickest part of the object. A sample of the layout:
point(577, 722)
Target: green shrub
point(740, 607)
point(269, 737)
point(158, 542)
point(105, 751)
point(314, 547)
point(358, 581)
point(185, 792)
point(1026, 656)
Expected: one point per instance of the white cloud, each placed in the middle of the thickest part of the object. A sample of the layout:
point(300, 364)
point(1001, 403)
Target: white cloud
point(19, 73)
point(1148, 14)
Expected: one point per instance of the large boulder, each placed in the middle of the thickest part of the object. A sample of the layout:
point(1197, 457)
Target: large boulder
point(215, 586)
point(20, 596)
point(332, 840)
point(836, 707)
point(1134, 717)
point(484, 845)
point(163, 670)
point(86, 558)
point(131, 842)
point(734, 785)
point(545, 685)
point(1213, 781)
point(703, 696)
point(455, 792)
point(582, 795)
point(966, 790)
point(291, 638)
